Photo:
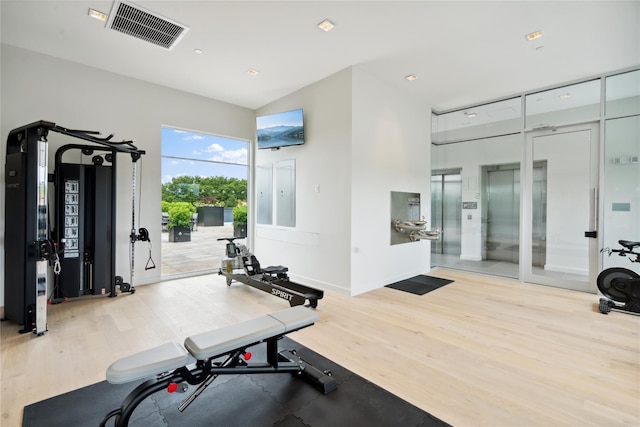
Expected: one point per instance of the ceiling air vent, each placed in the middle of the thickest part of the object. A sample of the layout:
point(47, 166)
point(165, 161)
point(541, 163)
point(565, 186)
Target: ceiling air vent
point(145, 25)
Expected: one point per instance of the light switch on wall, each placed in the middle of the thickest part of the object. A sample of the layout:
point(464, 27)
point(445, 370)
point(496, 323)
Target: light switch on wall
point(316, 188)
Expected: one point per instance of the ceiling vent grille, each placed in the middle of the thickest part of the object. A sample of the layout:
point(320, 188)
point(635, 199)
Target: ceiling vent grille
point(145, 25)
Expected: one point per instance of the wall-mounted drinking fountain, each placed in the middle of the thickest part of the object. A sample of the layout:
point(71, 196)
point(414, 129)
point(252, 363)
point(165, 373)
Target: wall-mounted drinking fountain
point(415, 229)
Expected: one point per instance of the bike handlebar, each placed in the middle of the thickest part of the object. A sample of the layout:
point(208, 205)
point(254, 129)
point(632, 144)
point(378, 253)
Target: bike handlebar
point(623, 252)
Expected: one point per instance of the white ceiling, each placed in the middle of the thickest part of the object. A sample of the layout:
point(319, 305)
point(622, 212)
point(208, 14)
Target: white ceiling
point(462, 52)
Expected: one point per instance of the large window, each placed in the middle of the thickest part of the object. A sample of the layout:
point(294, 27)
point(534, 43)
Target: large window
point(207, 175)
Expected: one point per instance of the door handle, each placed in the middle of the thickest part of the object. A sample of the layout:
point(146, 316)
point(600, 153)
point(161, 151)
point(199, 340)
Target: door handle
point(593, 220)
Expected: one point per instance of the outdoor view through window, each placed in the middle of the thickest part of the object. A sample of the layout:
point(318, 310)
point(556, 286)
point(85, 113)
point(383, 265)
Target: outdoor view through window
point(204, 197)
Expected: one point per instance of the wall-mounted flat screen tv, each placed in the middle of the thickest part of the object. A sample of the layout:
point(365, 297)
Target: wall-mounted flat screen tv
point(280, 130)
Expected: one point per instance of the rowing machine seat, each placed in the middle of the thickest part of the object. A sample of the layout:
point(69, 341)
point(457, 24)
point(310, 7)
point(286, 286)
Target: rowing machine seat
point(275, 269)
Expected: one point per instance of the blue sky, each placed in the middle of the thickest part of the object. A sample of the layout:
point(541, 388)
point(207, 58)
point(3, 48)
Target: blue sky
point(207, 155)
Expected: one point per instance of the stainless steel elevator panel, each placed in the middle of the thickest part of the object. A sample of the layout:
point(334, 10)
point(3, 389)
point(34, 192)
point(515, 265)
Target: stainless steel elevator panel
point(503, 214)
point(446, 211)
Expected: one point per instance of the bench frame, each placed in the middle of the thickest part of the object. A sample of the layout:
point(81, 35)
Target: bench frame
point(205, 371)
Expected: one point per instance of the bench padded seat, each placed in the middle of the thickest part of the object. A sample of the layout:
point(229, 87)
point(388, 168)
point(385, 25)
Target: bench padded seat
point(148, 363)
point(223, 340)
point(295, 318)
point(171, 356)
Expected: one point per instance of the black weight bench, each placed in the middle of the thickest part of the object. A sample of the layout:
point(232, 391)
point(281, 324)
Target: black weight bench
point(195, 363)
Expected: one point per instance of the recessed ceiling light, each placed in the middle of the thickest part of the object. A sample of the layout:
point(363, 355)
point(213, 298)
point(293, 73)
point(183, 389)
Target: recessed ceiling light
point(101, 16)
point(471, 115)
point(564, 95)
point(411, 77)
point(326, 25)
point(253, 72)
point(197, 50)
point(534, 35)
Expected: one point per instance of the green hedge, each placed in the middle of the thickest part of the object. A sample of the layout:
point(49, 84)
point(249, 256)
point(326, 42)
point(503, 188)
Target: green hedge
point(239, 215)
point(180, 213)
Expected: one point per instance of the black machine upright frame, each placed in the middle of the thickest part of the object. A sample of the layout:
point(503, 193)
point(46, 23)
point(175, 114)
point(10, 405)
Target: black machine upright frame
point(27, 230)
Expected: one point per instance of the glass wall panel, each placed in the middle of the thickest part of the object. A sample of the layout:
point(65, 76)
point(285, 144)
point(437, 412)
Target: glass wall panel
point(559, 246)
point(568, 104)
point(623, 94)
point(486, 171)
point(621, 192)
point(497, 118)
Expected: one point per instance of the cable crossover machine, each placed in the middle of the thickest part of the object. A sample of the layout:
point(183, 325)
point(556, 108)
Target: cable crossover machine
point(79, 248)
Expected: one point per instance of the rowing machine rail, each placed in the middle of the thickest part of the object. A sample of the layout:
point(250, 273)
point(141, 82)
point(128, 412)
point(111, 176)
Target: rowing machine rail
point(242, 266)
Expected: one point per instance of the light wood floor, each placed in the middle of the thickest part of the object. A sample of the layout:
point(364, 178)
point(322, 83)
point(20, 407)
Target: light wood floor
point(482, 351)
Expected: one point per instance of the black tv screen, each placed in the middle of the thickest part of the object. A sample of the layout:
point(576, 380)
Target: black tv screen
point(280, 130)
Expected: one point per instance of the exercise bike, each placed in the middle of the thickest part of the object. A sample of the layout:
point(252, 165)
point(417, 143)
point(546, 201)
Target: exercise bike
point(620, 286)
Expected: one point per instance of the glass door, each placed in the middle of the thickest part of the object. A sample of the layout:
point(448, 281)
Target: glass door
point(562, 213)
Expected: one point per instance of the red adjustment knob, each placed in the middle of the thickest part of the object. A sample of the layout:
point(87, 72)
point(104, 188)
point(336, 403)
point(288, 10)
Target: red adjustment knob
point(172, 387)
point(247, 355)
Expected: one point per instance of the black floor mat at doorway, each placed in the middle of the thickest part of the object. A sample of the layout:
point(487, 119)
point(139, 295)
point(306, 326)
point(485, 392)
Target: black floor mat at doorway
point(420, 285)
point(279, 400)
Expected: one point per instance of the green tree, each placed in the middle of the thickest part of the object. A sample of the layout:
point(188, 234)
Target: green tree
point(211, 190)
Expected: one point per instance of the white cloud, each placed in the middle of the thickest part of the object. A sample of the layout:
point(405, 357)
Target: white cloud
point(179, 131)
point(214, 148)
point(194, 138)
point(232, 156)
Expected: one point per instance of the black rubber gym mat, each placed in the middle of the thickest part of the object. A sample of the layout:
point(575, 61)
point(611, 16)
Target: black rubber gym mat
point(420, 285)
point(281, 400)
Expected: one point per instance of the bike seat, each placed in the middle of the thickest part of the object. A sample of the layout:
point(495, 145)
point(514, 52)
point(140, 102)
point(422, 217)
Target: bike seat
point(628, 244)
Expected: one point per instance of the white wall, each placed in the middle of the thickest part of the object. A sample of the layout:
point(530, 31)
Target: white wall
point(390, 151)
point(36, 87)
point(316, 250)
point(363, 140)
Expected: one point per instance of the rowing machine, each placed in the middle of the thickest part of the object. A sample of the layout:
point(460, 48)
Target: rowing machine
point(241, 265)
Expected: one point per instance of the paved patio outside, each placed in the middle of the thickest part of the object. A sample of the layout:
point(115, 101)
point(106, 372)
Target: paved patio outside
point(203, 253)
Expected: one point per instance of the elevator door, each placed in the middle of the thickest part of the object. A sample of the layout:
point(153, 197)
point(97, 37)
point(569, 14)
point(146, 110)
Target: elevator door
point(503, 213)
point(502, 192)
point(446, 208)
